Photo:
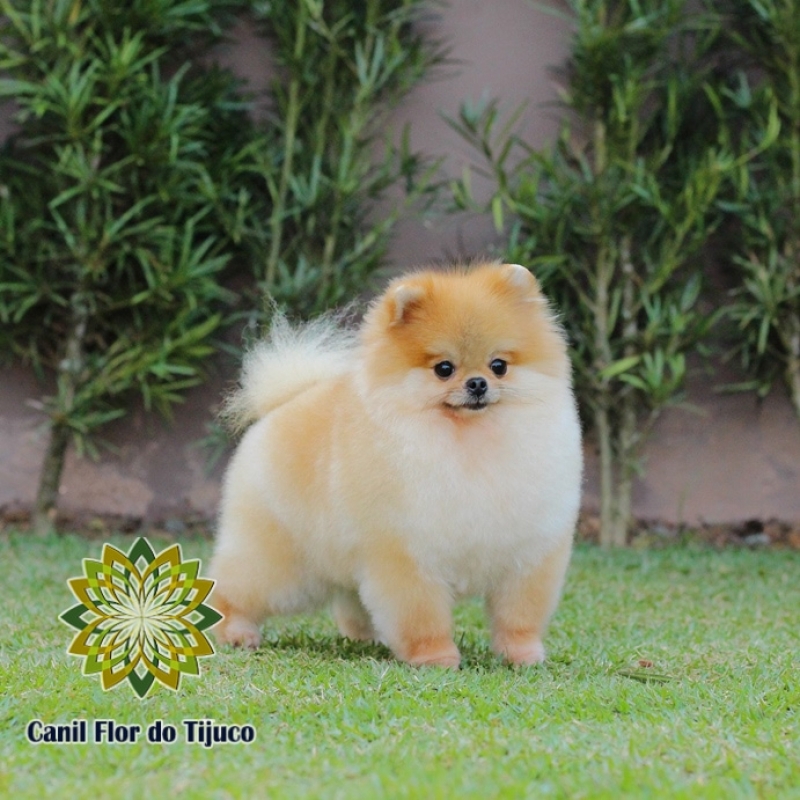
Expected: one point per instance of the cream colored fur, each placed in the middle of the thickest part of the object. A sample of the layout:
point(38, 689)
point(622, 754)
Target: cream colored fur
point(368, 481)
point(290, 361)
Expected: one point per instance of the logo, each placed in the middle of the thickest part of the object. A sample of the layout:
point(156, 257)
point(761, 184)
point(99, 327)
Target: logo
point(140, 617)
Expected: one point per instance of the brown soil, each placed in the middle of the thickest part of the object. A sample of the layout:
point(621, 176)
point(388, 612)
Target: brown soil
point(753, 533)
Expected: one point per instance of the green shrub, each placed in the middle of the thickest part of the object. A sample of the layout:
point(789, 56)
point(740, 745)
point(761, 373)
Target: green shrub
point(111, 245)
point(764, 245)
point(305, 206)
point(612, 218)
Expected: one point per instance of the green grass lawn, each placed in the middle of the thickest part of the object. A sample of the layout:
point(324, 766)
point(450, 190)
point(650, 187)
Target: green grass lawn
point(716, 715)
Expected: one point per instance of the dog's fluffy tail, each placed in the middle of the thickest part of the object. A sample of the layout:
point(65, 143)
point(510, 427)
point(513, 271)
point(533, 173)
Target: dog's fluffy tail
point(292, 359)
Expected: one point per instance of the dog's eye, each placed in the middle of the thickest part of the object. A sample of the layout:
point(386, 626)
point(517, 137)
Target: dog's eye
point(499, 367)
point(444, 369)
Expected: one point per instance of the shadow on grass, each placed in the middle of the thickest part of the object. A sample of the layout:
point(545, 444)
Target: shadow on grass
point(475, 655)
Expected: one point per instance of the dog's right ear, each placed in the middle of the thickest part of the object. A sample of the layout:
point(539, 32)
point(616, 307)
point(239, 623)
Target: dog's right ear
point(403, 299)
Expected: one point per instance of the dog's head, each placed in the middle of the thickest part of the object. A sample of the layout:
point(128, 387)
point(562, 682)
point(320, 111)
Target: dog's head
point(462, 342)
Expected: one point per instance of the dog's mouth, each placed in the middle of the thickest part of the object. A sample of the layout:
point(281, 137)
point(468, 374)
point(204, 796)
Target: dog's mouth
point(469, 405)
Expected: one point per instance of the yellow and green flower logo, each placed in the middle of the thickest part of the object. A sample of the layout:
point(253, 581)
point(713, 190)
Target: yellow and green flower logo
point(140, 617)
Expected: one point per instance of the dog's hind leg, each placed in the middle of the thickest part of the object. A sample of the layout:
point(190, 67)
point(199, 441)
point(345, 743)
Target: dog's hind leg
point(352, 619)
point(256, 570)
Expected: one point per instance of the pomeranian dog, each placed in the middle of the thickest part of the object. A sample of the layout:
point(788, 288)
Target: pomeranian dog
point(433, 454)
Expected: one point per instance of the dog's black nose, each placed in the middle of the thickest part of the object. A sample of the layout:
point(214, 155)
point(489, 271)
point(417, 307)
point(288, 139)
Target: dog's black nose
point(477, 386)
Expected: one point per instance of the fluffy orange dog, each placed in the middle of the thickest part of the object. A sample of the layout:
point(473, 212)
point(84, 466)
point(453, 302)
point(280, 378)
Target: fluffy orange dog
point(432, 455)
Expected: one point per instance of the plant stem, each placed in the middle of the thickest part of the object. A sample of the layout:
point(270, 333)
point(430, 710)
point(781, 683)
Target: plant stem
point(793, 107)
point(626, 456)
point(330, 249)
point(604, 439)
point(793, 366)
point(792, 334)
point(69, 371)
point(324, 137)
point(292, 120)
point(793, 379)
point(44, 510)
point(627, 449)
point(604, 357)
point(605, 431)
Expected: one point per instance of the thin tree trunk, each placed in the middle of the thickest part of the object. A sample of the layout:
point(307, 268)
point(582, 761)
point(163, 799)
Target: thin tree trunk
point(69, 374)
point(607, 482)
point(625, 469)
point(617, 459)
point(626, 449)
point(292, 122)
point(44, 512)
point(622, 521)
point(603, 416)
point(793, 379)
point(790, 338)
point(604, 357)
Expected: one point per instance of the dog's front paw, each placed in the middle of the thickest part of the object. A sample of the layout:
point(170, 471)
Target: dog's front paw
point(436, 653)
point(238, 632)
point(518, 650)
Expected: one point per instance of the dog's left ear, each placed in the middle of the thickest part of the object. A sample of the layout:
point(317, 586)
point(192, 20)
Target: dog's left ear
point(523, 281)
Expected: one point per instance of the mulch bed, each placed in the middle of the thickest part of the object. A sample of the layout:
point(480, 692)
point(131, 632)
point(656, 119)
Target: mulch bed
point(753, 533)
